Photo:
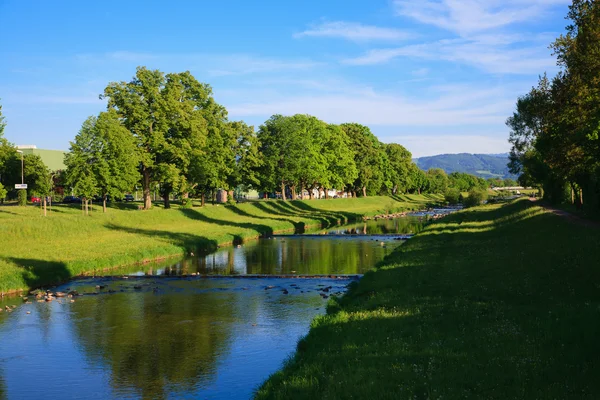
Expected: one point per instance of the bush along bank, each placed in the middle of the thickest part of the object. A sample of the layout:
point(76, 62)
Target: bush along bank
point(499, 301)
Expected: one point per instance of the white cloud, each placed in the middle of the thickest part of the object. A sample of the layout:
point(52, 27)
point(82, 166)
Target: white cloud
point(241, 64)
point(421, 72)
point(429, 145)
point(461, 105)
point(354, 31)
point(212, 64)
point(493, 59)
point(466, 17)
point(30, 98)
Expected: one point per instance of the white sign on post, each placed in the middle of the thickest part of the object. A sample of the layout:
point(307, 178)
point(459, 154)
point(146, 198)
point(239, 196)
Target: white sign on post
point(21, 186)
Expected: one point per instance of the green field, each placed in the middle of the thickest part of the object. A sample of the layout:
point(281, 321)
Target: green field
point(499, 301)
point(37, 250)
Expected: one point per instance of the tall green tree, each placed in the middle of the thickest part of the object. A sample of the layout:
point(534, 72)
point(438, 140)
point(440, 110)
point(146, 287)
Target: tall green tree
point(248, 159)
point(141, 106)
point(438, 180)
point(368, 157)
point(104, 157)
point(282, 149)
point(400, 160)
point(341, 168)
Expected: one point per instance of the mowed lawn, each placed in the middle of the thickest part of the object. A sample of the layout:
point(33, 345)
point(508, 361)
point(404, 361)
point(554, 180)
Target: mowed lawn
point(497, 302)
point(37, 250)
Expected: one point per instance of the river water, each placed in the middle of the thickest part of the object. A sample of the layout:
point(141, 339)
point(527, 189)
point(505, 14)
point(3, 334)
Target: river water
point(156, 331)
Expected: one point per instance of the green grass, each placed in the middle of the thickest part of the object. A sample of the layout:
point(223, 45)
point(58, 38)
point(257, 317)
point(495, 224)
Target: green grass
point(37, 250)
point(499, 301)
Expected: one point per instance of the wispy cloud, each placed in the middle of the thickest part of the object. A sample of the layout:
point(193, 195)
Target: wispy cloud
point(478, 39)
point(460, 105)
point(30, 98)
point(241, 64)
point(530, 59)
point(466, 17)
point(215, 65)
point(354, 31)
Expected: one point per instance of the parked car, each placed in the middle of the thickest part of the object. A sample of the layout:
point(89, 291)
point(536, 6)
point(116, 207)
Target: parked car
point(71, 199)
point(128, 197)
point(35, 199)
point(100, 199)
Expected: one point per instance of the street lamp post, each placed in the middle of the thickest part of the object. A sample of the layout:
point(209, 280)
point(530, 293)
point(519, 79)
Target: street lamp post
point(22, 173)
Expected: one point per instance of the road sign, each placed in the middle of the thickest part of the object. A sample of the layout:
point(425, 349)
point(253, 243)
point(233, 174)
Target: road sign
point(21, 186)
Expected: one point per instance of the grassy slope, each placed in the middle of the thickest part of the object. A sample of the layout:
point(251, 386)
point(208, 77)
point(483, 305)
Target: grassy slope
point(35, 250)
point(499, 302)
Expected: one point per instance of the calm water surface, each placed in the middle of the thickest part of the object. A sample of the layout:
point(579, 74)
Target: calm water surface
point(138, 336)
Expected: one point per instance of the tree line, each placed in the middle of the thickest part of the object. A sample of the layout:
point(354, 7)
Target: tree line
point(166, 131)
point(555, 130)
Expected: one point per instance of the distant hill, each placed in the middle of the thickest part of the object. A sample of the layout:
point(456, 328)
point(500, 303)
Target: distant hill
point(483, 165)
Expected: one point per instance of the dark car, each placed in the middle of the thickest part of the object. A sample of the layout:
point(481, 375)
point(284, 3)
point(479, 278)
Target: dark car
point(100, 199)
point(128, 197)
point(71, 199)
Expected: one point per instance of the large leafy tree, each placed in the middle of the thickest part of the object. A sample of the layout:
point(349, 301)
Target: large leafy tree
point(141, 107)
point(103, 158)
point(438, 180)
point(247, 155)
point(171, 117)
point(418, 181)
point(341, 167)
point(399, 160)
point(556, 127)
point(36, 175)
point(282, 149)
point(368, 157)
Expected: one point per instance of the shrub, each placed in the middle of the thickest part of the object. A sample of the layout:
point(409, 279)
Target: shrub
point(22, 197)
point(186, 202)
point(452, 196)
point(475, 198)
point(2, 193)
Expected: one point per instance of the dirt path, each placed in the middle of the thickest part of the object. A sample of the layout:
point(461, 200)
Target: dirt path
point(575, 219)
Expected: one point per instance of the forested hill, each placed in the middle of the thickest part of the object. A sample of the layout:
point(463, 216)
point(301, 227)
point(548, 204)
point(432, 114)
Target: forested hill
point(483, 165)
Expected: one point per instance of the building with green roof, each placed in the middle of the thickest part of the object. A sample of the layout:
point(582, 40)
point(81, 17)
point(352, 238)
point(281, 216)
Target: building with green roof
point(54, 159)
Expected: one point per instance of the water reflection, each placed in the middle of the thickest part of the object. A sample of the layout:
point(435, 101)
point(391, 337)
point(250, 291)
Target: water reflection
point(158, 338)
point(173, 337)
point(381, 227)
point(294, 254)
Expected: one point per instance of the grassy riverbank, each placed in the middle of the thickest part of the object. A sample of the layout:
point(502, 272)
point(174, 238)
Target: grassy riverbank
point(36, 250)
point(500, 301)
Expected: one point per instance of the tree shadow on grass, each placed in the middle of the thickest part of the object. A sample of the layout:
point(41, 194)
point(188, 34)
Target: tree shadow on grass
point(298, 226)
point(8, 212)
point(263, 230)
point(37, 273)
point(462, 314)
point(327, 219)
point(334, 217)
point(187, 241)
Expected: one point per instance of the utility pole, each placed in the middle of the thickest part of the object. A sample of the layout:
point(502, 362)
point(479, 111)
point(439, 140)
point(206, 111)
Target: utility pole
point(22, 173)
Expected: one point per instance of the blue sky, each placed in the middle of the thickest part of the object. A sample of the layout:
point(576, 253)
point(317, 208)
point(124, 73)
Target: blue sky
point(438, 76)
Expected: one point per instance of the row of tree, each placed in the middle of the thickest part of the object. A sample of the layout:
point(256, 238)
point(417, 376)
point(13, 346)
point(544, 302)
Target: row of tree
point(167, 131)
point(555, 130)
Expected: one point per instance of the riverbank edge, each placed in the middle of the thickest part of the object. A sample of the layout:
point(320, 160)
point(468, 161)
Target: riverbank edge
point(287, 382)
point(159, 257)
point(163, 253)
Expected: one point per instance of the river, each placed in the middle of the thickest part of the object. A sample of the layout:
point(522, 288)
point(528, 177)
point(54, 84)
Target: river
point(161, 331)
